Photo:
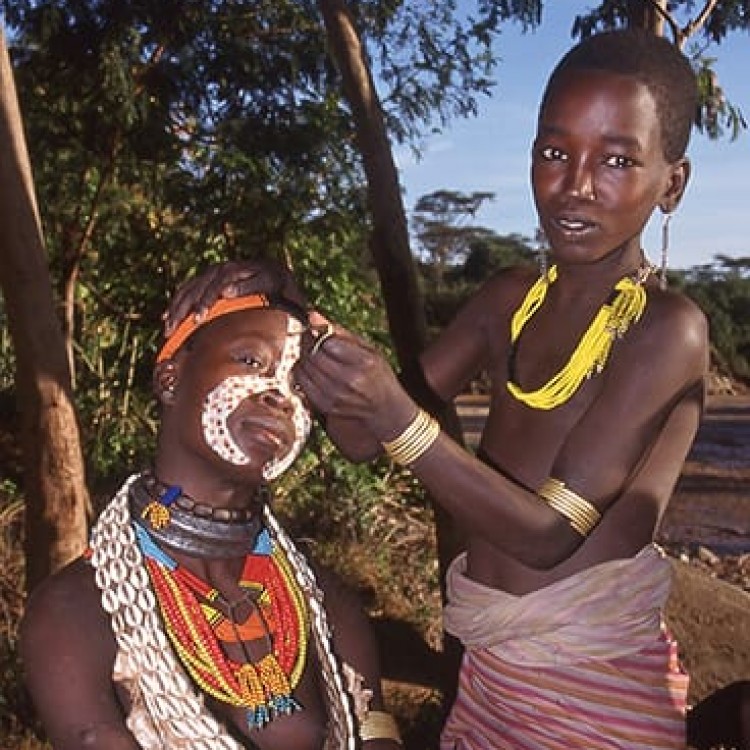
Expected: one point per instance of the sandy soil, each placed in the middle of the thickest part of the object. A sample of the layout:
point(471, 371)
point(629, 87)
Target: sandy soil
point(707, 527)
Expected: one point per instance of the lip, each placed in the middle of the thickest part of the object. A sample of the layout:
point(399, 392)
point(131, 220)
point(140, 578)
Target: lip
point(573, 225)
point(264, 428)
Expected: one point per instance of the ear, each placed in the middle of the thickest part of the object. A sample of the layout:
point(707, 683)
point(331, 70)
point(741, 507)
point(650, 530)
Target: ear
point(679, 174)
point(165, 381)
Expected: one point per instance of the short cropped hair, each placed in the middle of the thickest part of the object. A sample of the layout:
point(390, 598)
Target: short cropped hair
point(650, 59)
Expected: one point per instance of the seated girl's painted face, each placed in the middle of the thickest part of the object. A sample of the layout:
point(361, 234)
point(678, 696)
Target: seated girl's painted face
point(252, 411)
point(234, 384)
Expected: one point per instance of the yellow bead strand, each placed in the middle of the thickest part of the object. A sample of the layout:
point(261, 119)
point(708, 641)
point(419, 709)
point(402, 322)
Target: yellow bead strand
point(590, 356)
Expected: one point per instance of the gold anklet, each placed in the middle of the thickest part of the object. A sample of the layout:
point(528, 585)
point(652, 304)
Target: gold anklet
point(581, 514)
point(379, 725)
point(415, 440)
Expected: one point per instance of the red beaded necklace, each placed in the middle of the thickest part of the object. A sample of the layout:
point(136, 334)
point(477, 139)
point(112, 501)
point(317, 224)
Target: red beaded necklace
point(195, 625)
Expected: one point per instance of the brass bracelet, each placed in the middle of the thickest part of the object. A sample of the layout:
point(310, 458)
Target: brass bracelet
point(379, 725)
point(581, 514)
point(415, 440)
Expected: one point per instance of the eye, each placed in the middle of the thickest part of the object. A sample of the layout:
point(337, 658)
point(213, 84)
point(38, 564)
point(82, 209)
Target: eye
point(250, 360)
point(552, 153)
point(619, 161)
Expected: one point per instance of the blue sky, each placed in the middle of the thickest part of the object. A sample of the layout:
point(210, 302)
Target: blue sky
point(491, 151)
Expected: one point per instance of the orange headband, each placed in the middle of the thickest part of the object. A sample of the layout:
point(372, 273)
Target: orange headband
point(221, 307)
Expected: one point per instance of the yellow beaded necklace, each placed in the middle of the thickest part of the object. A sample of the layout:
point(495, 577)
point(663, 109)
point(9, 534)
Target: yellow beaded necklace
point(623, 308)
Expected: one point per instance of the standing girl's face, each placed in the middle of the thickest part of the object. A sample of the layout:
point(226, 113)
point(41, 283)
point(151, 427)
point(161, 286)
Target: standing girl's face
point(598, 168)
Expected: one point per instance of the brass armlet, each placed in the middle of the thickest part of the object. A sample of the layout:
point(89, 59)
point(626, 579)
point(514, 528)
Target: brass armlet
point(379, 725)
point(581, 514)
point(415, 440)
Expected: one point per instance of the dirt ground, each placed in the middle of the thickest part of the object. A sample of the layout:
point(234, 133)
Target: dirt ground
point(707, 527)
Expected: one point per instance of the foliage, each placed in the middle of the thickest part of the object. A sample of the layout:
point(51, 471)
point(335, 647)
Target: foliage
point(680, 21)
point(441, 226)
point(455, 255)
point(164, 137)
point(434, 57)
point(723, 292)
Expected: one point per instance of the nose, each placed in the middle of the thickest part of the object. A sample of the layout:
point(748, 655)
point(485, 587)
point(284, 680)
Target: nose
point(275, 399)
point(580, 180)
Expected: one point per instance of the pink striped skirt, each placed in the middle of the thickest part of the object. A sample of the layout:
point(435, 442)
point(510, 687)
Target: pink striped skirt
point(635, 702)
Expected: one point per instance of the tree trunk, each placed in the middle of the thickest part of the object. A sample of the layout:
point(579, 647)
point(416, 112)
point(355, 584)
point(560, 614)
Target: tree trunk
point(390, 236)
point(392, 254)
point(647, 15)
point(54, 483)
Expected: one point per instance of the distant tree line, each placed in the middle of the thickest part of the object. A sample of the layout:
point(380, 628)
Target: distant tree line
point(455, 256)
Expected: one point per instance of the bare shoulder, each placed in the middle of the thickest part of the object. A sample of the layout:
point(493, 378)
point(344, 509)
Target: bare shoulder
point(353, 635)
point(69, 593)
point(340, 596)
point(678, 311)
point(675, 329)
point(64, 627)
point(64, 611)
point(663, 357)
point(504, 290)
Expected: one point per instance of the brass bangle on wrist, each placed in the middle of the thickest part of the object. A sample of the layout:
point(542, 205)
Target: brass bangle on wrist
point(379, 725)
point(580, 513)
point(415, 440)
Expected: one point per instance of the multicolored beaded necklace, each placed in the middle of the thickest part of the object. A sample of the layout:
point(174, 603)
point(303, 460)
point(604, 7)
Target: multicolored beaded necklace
point(197, 618)
point(623, 307)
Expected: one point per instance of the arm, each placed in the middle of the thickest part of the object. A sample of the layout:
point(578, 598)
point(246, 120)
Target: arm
point(354, 642)
point(448, 364)
point(68, 651)
point(466, 346)
point(650, 373)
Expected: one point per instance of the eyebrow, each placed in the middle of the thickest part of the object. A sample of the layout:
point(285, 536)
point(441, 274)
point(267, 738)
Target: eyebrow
point(612, 140)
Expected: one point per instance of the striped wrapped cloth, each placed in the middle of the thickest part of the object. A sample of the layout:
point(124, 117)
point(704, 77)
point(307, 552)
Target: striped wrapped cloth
point(582, 663)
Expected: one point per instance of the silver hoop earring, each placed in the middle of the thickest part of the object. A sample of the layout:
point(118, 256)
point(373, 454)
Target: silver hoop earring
point(667, 217)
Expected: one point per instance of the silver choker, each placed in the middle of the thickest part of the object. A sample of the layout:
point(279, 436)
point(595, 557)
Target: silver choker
point(195, 529)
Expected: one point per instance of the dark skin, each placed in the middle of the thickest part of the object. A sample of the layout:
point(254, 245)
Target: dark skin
point(598, 172)
point(67, 643)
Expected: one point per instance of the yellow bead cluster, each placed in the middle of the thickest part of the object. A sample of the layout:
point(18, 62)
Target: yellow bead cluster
point(156, 514)
point(590, 356)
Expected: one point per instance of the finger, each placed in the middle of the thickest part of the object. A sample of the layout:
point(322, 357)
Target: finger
point(182, 303)
point(331, 387)
point(321, 334)
point(313, 388)
point(227, 281)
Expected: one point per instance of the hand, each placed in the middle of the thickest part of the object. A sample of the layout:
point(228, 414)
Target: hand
point(349, 381)
point(226, 280)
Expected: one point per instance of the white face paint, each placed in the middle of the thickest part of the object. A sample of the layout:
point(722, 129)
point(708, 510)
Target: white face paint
point(230, 393)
